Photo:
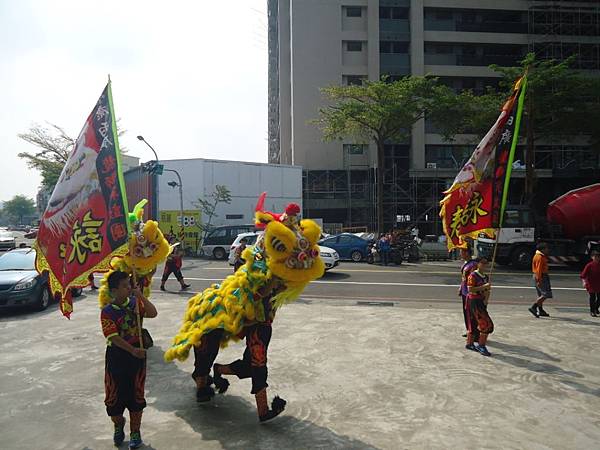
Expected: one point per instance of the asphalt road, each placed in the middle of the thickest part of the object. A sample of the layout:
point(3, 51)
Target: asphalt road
point(408, 284)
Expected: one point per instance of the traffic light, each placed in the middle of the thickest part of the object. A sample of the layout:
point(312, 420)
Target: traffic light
point(152, 167)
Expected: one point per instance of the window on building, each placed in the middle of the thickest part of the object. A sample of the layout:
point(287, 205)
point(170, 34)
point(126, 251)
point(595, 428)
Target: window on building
point(353, 80)
point(399, 13)
point(234, 216)
point(443, 14)
point(393, 12)
point(354, 46)
point(393, 47)
point(400, 47)
point(353, 11)
point(355, 149)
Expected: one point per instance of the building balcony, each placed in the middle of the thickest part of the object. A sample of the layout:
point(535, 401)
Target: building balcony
point(451, 59)
point(481, 27)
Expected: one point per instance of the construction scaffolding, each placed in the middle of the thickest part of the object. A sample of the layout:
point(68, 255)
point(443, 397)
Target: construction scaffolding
point(346, 199)
point(553, 25)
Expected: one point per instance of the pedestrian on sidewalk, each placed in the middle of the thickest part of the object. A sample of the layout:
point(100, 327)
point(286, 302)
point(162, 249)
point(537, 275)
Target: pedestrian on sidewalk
point(125, 361)
point(539, 267)
point(480, 322)
point(591, 282)
point(239, 261)
point(384, 249)
point(468, 266)
point(93, 286)
point(173, 266)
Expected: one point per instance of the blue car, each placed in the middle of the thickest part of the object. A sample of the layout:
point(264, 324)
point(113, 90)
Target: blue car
point(348, 246)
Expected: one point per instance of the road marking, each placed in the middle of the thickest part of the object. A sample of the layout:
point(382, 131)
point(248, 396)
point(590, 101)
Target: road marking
point(421, 300)
point(421, 272)
point(374, 283)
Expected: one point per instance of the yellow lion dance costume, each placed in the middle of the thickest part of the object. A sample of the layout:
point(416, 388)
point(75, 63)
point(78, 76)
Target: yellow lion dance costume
point(277, 269)
point(147, 248)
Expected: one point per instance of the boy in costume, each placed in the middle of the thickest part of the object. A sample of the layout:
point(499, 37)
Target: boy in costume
point(539, 267)
point(469, 266)
point(480, 321)
point(125, 363)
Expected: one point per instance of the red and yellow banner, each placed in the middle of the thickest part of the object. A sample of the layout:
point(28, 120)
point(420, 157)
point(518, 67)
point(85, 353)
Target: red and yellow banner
point(475, 201)
point(85, 223)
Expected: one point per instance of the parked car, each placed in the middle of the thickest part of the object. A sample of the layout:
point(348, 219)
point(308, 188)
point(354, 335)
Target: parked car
point(7, 240)
point(250, 240)
point(348, 246)
point(329, 256)
point(31, 235)
point(21, 284)
point(218, 241)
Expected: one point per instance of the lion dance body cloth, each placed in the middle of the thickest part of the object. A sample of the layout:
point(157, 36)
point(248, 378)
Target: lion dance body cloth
point(278, 267)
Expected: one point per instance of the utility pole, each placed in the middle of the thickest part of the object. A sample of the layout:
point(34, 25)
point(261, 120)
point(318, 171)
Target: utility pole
point(180, 184)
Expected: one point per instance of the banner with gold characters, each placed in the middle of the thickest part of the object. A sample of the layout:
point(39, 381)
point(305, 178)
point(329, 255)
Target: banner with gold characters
point(85, 223)
point(476, 200)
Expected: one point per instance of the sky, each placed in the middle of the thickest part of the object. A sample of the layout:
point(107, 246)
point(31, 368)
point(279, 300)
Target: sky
point(190, 76)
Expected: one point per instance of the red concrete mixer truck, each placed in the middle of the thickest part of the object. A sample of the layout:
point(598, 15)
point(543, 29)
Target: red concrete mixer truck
point(571, 228)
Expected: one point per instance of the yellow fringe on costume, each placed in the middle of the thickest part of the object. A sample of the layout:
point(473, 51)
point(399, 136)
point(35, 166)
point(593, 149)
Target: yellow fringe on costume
point(144, 262)
point(228, 306)
point(288, 253)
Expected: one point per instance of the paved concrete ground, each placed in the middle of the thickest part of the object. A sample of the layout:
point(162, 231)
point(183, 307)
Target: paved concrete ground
point(355, 377)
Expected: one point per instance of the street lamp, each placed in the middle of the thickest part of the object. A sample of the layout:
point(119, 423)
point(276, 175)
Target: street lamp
point(141, 138)
point(173, 184)
point(170, 183)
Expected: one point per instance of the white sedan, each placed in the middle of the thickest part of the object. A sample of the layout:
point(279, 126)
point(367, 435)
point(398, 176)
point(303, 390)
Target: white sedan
point(330, 257)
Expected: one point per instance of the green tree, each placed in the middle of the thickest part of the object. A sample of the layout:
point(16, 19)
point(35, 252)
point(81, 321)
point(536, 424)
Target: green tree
point(208, 206)
point(380, 112)
point(18, 207)
point(55, 147)
point(561, 104)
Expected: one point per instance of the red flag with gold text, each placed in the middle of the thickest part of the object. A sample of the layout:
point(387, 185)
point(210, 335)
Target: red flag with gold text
point(472, 204)
point(85, 222)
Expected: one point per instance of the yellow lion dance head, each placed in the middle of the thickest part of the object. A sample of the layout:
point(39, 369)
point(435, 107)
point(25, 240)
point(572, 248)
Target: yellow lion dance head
point(290, 247)
point(147, 248)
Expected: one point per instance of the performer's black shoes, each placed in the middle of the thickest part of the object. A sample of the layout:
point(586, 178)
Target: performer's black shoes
point(204, 394)
point(277, 407)
point(221, 384)
point(542, 313)
point(533, 310)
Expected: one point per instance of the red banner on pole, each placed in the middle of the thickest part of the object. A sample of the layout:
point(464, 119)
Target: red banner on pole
point(85, 223)
point(472, 205)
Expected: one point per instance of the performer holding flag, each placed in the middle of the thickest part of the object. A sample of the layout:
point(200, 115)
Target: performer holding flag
point(476, 201)
point(87, 228)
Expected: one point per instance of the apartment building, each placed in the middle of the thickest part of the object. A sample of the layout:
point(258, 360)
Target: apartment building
point(317, 43)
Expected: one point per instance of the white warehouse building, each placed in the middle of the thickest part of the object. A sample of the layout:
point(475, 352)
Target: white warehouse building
point(245, 181)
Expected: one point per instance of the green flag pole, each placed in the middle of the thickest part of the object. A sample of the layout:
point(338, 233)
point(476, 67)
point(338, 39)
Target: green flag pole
point(511, 157)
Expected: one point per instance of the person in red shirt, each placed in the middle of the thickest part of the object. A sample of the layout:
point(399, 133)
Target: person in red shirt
point(173, 266)
point(125, 360)
point(591, 282)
